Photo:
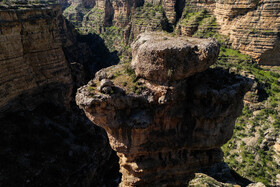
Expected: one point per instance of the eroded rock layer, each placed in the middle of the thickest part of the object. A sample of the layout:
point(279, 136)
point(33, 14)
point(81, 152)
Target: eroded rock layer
point(163, 132)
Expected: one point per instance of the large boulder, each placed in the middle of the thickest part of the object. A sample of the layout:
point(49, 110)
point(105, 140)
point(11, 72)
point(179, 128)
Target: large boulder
point(160, 57)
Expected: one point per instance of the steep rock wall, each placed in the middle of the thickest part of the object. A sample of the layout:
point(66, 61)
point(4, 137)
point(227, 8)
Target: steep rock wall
point(31, 56)
point(252, 27)
point(39, 50)
point(45, 139)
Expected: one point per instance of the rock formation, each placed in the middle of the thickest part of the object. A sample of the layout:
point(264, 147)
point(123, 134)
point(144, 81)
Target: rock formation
point(164, 128)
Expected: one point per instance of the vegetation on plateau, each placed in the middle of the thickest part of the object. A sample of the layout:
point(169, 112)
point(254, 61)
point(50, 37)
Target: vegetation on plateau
point(251, 151)
point(123, 77)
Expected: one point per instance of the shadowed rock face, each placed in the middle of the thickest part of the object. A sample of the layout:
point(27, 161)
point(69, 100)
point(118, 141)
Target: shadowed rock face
point(165, 132)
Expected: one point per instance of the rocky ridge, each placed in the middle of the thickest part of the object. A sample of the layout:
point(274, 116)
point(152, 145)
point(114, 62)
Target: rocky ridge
point(165, 130)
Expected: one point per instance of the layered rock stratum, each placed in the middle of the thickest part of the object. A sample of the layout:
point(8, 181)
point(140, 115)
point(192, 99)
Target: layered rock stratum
point(252, 27)
point(31, 56)
point(165, 129)
point(39, 50)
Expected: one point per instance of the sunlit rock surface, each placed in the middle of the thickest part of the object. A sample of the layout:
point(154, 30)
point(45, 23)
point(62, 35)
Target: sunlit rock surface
point(163, 132)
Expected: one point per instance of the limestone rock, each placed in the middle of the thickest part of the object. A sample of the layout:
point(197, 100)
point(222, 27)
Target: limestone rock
point(166, 142)
point(31, 56)
point(161, 57)
point(105, 86)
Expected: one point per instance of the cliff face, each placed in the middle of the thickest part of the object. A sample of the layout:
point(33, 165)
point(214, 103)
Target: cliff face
point(37, 50)
point(31, 56)
point(45, 140)
point(164, 128)
point(251, 26)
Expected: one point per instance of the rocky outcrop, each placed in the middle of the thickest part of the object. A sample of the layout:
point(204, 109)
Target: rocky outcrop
point(165, 130)
point(206, 180)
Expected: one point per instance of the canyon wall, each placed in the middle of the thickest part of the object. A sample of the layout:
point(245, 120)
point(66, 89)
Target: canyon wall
point(39, 50)
point(168, 116)
point(45, 139)
point(250, 26)
point(31, 57)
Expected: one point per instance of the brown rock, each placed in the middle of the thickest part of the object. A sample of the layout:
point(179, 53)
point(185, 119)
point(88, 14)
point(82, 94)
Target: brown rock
point(252, 27)
point(31, 56)
point(164, 134)
point(160, 57)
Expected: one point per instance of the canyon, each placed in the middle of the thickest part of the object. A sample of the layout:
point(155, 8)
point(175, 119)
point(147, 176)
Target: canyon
point(170, 112)
point(252, 27)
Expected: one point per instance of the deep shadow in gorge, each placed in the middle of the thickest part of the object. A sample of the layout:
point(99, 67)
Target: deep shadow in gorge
point(179, 8)
point(51, 147)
